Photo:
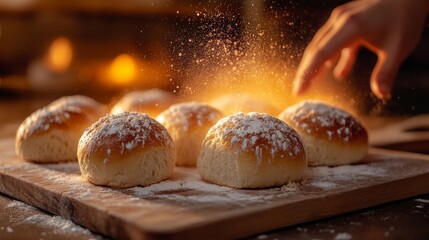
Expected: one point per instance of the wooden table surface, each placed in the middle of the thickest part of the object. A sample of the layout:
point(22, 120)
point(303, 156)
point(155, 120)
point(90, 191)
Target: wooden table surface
point(405, 219)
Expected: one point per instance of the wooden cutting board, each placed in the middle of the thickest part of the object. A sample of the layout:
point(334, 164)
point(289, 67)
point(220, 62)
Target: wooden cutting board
point(186, 207)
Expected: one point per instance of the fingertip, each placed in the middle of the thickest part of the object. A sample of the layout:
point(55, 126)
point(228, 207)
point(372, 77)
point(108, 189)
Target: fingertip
point(339, 74)
point(341, 71)
point(385, 90)
point(297, 87)
point(346, 62)
point(382, 90)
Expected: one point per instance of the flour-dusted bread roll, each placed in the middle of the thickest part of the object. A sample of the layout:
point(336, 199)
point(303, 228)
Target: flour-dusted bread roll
point(126, 150)
point(331, 136)
point(253, 150)
point(188, 124)
point(51, 134)
point(233, 103)
point(151, 102)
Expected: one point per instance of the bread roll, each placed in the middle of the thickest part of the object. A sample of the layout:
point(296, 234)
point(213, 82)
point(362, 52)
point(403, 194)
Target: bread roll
point(151, 102)
point(233, 103)
point(126, 150)
point(51, 134)
point(331, 136)
point(253, 150)
point(188, 124)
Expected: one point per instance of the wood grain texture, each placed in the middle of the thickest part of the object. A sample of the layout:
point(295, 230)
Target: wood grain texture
point(185, 207)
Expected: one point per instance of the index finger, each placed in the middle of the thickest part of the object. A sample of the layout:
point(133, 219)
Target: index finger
point(340, 36)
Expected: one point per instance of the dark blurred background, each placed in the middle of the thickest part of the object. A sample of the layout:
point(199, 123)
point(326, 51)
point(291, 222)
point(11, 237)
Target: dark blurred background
point(100, 48)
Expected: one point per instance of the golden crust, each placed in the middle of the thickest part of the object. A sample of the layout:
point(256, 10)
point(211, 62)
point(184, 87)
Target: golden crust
point(66, 113)
point(188, 124)
point(114, 137)
point(261, 134)
point(185, 117)
point(51, 134)
point(44, 120)
point(331, 136)
point(253, 150)
point(322, 121)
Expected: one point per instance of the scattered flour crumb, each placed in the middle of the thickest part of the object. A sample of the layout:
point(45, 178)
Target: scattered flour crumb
point(213, 194)
point(323, 185)
point(343, 236)
point(60, 224)
point(20, 205)
point(262, 236)
point(290, 187)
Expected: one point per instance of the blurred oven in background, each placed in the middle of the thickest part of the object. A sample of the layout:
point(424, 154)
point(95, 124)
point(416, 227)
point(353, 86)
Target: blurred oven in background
point(104, 48)
point(62, 47)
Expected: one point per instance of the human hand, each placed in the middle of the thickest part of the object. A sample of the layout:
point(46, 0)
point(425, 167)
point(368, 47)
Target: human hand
point(389, 28)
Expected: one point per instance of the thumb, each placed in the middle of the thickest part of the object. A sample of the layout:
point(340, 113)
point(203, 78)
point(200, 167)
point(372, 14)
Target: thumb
point(383, 76)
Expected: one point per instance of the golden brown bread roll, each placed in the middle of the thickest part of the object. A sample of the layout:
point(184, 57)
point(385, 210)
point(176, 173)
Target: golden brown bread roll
point(151, 102)
point(51, 134)
point(126, 150)
point(253, 150)
point(331, 136)
point(188, 124)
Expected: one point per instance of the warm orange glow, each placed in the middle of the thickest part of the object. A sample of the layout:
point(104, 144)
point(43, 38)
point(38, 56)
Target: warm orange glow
point(263, 91)
point(60, 54)
point(250, 90)
point(123, 70)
